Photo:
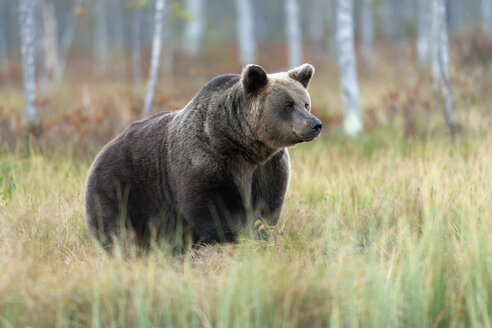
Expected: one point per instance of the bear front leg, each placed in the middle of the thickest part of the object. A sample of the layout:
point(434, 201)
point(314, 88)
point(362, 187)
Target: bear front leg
point(215, 215)
point(103, 219)
point(269, 187)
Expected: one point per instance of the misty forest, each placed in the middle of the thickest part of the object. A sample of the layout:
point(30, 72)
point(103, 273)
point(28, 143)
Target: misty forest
point(387, 219)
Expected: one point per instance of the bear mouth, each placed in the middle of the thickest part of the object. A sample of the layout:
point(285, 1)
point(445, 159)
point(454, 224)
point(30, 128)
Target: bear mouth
point(306, 137)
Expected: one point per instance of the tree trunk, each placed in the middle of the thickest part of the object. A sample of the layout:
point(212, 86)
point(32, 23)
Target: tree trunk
point(440, 59)
point(293, 31)
point(26, 23)
point(136, 49)
point(423, 32)
point(156, 54)
point(367, 32)
point(347, 66)
point(436, 42)
point(194, 28)
point(245, 32)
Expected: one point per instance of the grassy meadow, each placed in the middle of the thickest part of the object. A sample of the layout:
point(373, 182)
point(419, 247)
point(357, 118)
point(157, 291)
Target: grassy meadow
point(392, 229)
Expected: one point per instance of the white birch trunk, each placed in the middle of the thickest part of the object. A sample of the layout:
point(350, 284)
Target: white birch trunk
point(367, 32)
point(194, 28)
point(440, 58)
point(136, 49)
point(50, 44)
point(293, 30)
point(487, 14)
point(347, 66)
point(156, 54)
point(26, 24)
point(245, 32)
point(436, 42)
point(423, 32)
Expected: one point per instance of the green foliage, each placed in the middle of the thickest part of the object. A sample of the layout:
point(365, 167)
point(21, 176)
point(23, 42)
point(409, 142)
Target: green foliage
point(178, 12)
point(6, 189)
point(138, 4)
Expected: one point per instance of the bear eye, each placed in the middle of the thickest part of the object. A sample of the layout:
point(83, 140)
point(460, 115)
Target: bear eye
point(289, 107)
point(306, 106)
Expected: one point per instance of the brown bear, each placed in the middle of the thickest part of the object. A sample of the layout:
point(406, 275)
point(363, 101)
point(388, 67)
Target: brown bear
point(202, 173)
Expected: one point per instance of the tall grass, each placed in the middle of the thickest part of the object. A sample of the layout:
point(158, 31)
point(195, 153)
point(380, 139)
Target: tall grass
point(379, 232)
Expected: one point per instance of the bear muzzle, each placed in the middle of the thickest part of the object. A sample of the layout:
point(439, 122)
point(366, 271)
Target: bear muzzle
point(316, 127)
point(311, 130)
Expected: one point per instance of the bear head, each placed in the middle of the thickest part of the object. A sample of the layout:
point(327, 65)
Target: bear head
point(280, 106)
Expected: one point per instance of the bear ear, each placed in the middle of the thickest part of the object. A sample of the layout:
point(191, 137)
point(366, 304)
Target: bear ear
point(253, 78)
point(303, 74)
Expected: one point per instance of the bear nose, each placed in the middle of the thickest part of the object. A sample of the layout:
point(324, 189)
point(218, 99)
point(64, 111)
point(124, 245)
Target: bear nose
point(316, 125)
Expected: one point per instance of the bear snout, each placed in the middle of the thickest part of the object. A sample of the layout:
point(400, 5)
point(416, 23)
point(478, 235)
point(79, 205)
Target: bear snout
point(316, 126)
point(311, 129)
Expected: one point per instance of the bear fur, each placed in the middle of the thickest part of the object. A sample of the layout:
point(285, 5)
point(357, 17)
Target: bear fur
point(201, 173)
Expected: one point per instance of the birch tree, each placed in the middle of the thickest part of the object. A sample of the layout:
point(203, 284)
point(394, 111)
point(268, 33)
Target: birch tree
point(26, 24)
point(245, 32)
point(440, 58)
point(194, 27)
point(347, 66)
point(367, 32)
point(156, 54)
point(293, 33)
point(423, 32)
